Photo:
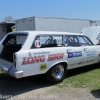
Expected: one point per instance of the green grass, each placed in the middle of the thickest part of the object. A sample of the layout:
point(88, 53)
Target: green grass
point(88, 78)
point(0, 72)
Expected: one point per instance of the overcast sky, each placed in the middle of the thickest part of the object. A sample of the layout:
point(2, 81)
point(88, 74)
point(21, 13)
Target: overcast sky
point(80, 9)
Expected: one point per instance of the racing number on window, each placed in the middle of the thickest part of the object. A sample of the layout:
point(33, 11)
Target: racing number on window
point(37, 43)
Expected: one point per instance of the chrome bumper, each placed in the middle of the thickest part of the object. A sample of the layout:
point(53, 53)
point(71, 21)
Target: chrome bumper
point(12, 72)
point(6, 65)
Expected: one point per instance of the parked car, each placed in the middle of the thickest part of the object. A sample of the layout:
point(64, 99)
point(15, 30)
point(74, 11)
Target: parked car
point(28, 53)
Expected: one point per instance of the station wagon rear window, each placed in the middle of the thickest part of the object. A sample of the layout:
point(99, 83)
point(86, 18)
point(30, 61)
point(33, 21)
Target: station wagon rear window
point(47, 41)
point(15, 39)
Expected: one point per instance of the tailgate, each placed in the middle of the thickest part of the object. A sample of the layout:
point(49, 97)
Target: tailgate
point(5, 64)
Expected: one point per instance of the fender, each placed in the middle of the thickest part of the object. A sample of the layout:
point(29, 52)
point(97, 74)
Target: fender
point(57, 63)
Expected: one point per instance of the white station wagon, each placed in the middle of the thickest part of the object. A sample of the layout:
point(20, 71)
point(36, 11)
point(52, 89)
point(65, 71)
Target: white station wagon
point(28, 53)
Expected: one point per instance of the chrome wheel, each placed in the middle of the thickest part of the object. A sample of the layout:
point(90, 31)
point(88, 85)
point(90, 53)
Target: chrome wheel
point(58, 72)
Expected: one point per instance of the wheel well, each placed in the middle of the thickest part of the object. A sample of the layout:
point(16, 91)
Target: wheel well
point(63, 63)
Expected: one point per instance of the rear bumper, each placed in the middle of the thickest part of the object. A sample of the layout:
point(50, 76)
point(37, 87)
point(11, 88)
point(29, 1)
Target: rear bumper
point(6, 65)
point(12, 72)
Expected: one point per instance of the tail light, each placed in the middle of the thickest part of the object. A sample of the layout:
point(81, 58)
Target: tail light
point(14, 59)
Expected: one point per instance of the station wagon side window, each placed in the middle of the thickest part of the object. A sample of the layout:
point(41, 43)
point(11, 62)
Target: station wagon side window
point(84, 41)
point(47, 41)
point(71, 40)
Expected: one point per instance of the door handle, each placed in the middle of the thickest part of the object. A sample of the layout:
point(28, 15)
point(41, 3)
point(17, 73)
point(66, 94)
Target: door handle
point(69, 50)
point(85, 49)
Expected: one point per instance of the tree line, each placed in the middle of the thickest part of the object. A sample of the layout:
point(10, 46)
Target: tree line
point(8, 19)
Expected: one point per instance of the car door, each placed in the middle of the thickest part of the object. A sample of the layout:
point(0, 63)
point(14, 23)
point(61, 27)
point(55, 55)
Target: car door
point(90, 52)
point(74, 51)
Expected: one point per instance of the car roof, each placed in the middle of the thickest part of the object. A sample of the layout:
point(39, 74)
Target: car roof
point(44, 32)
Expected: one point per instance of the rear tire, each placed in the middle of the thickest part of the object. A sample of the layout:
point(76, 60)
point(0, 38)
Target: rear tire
point(57, 73)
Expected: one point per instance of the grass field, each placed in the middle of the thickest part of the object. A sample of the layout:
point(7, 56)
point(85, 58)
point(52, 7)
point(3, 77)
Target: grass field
point(0, 72)
point(83, 77)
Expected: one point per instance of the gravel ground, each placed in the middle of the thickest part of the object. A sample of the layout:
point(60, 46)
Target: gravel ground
point(37, 88)
point(56, 93)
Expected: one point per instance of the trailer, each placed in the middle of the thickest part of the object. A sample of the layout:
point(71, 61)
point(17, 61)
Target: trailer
point(54, 24)
point(5, 27)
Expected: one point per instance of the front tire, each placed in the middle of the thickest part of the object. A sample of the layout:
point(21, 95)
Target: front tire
point(57, 73)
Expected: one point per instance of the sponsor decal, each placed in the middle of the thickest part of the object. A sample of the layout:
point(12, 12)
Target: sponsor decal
point(37, 43)
point(74, 54)
point(98, 37)
point(41, 53)
point(73, 64)
point(82, 62)
point(43, 67)
point(90, 53)
point(53, 57)
point(31, 60)
point(88, 61)
point(41, 59)
point(29, 54)
point(79, 63)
